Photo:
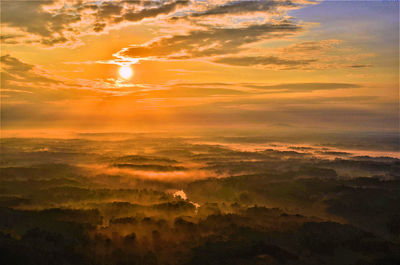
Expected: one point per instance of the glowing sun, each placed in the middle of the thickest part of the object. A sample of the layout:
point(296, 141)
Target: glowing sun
point(125, 72)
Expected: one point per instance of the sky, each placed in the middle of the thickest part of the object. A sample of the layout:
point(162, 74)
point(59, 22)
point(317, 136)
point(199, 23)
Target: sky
point(260, 65)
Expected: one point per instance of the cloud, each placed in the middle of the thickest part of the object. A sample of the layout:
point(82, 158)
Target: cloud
point(56, 22)
point(214, 41)
point(261, 88)
point(300, 87)
point(108, 9)
point(239, 46)
point(311, 46)
point(20, 77)
point(359, 65)
point(155, 11)
point(10, 38)
point(240, 7)
point(262, 61)
point(150, 167)
point(210, 28)
point(232, 32)
point(22, 82)
point(15, 73)
point(32, 18)
point(235, 13)
point(219, 29)
point(13, 64)
point(324, 54)
point(179, 91)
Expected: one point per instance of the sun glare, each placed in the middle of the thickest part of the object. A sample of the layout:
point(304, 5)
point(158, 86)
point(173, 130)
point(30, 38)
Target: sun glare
point(125, 72)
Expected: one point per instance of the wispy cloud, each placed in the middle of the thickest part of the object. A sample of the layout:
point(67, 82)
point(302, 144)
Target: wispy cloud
point(58, 22)
point(205, 43)
point(263, 61)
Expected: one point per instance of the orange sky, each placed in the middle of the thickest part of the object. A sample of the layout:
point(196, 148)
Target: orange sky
point(275, 65)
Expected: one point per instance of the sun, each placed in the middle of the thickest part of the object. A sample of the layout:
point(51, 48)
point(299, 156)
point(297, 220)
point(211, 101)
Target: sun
point(125, 72)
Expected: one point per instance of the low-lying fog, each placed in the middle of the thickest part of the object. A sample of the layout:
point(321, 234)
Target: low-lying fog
point(137, 199)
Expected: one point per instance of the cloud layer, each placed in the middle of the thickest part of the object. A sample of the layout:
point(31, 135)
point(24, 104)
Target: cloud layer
point(57, 22)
